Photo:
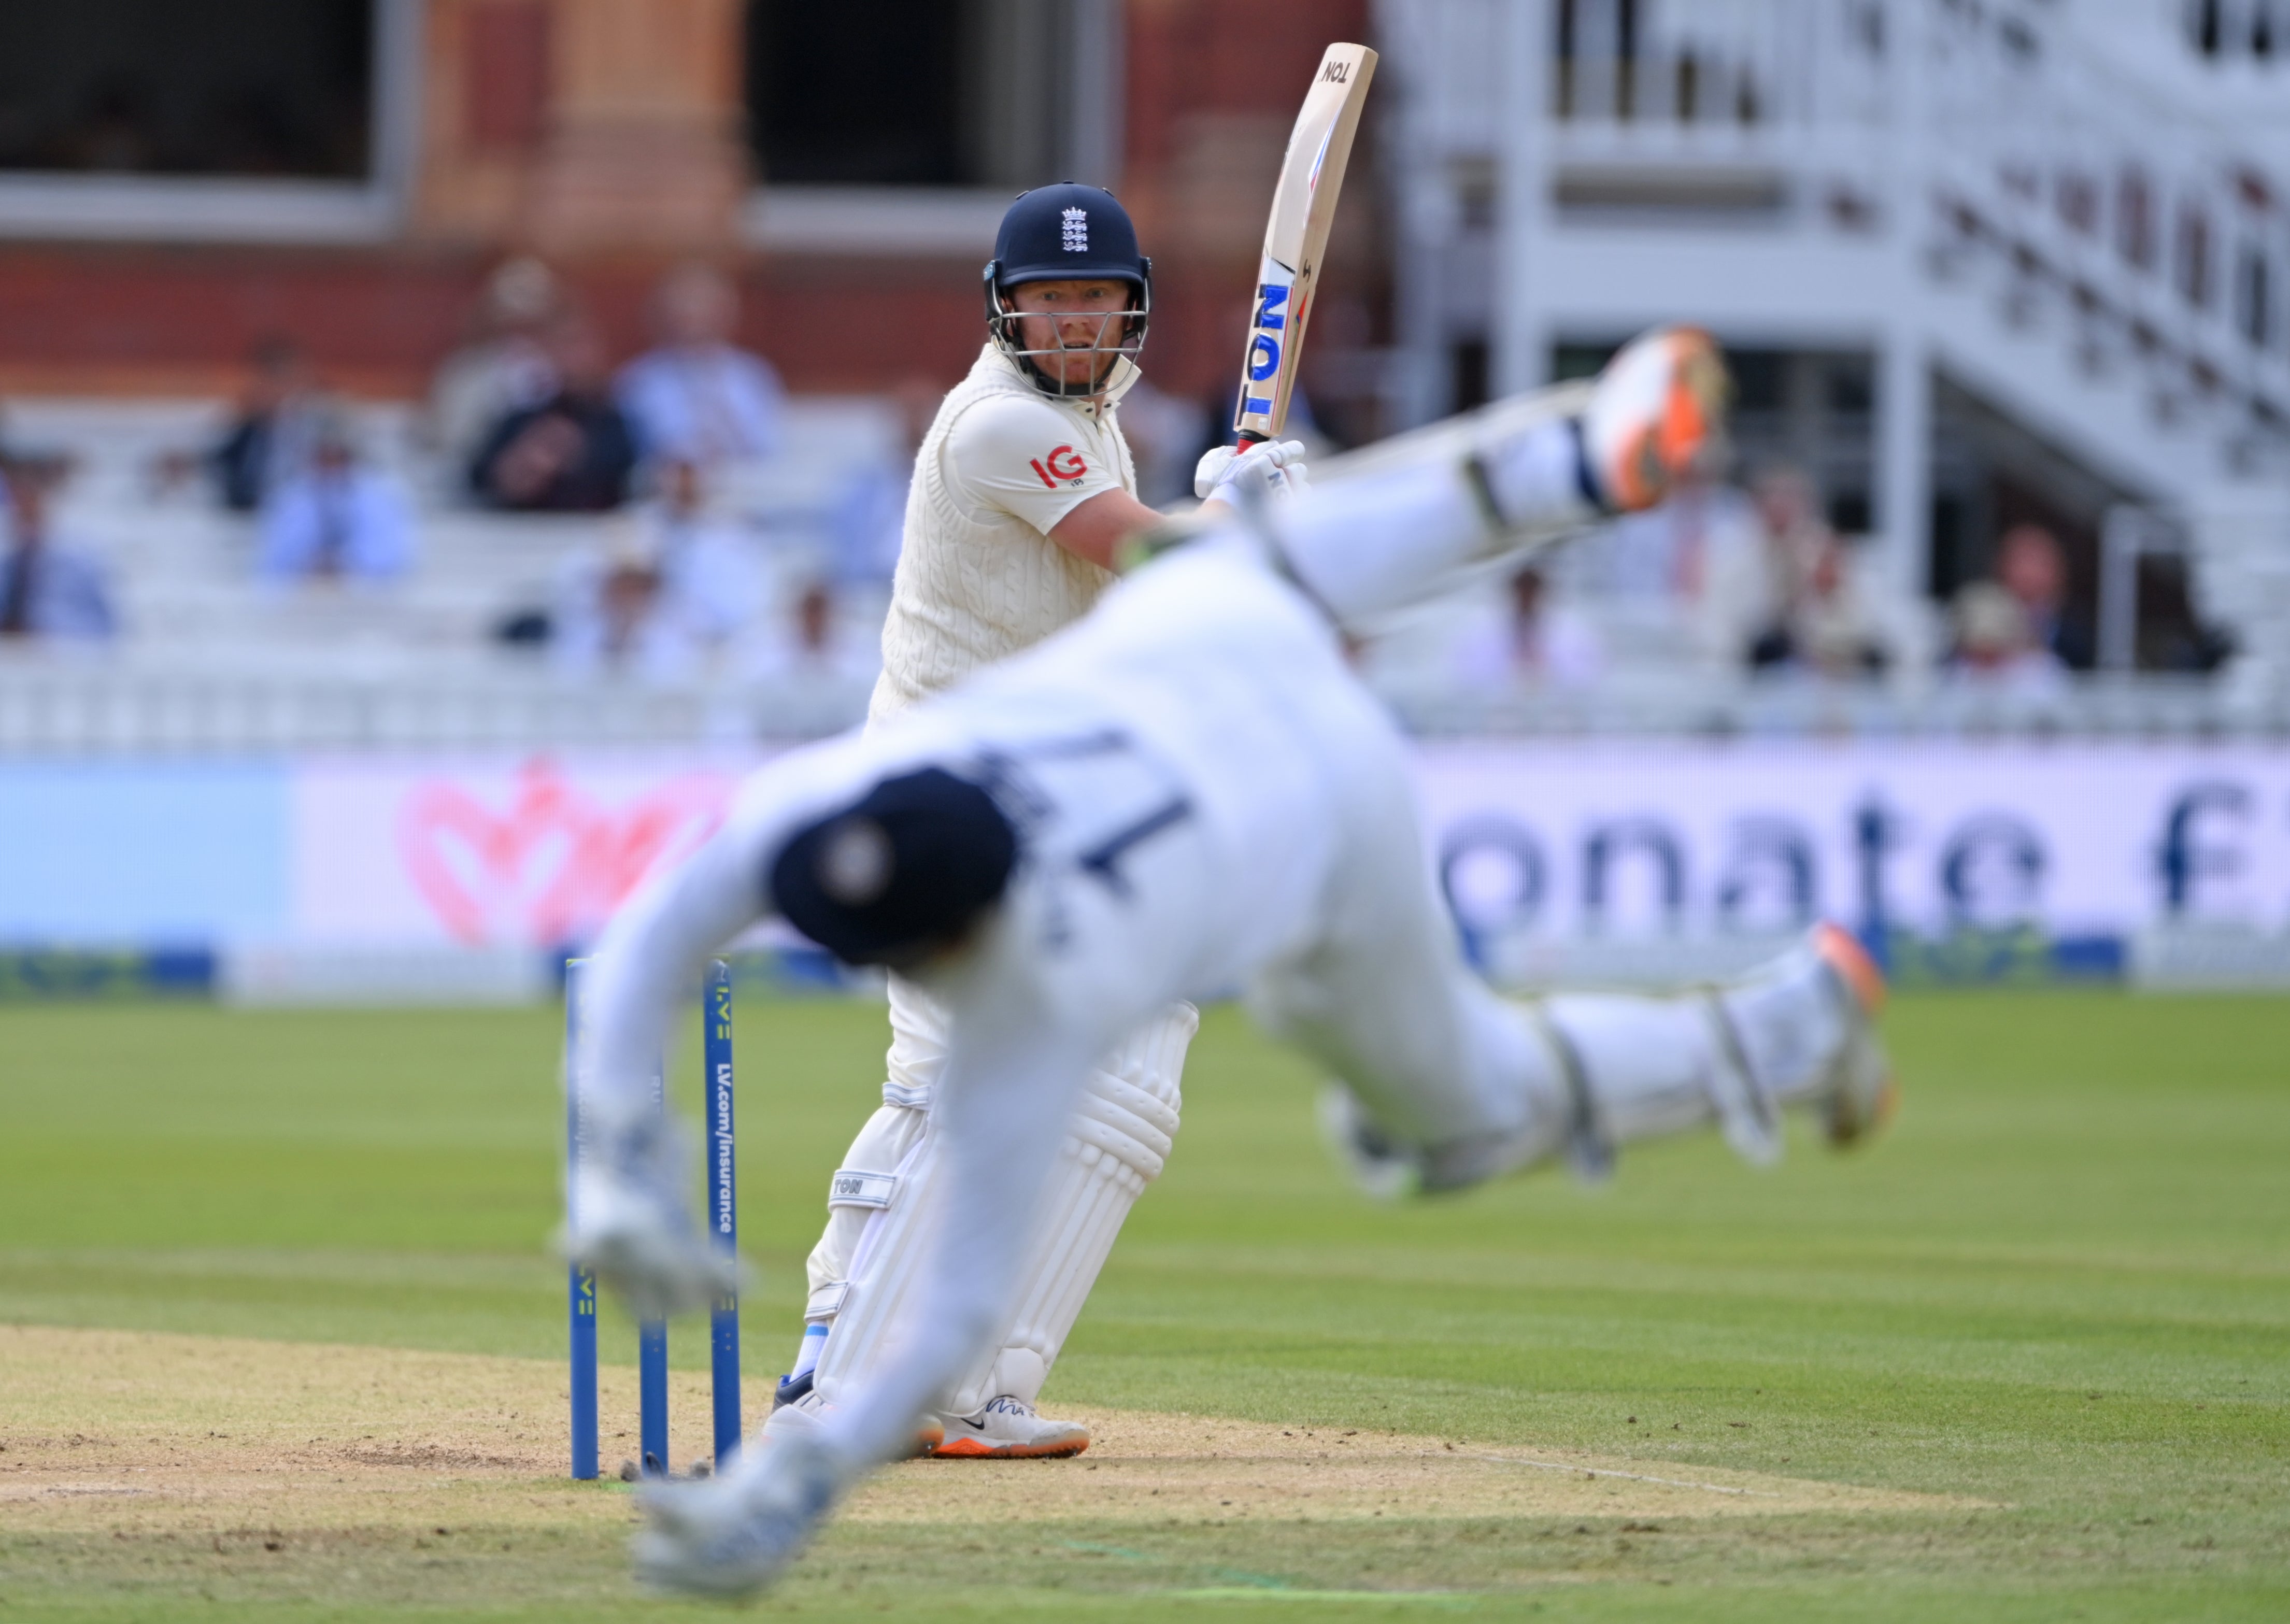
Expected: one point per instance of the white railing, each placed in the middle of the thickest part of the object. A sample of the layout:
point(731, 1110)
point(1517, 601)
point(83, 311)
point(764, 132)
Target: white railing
point(2164, 236)
point(1710, 76)
point(2163, 225)
point(79, 707)
point(82, 707)
point(1799, 93)
point(2256, 32)
point(2145, 707)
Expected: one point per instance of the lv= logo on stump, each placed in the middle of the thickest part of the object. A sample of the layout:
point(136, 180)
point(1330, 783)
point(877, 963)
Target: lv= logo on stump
point(723, 1225)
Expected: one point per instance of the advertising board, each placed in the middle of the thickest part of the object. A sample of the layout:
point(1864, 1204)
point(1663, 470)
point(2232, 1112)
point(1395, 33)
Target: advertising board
point(1655, 858)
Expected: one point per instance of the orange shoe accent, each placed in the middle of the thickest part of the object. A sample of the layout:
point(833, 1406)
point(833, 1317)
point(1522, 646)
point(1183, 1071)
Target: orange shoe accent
point(1693, 407)
point(1686, 416)
point(1061, 1452)
point(973, 1449)
point(1851, 960)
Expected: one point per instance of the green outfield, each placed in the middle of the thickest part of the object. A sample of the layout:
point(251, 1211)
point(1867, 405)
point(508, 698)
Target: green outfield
point(2055, 1301)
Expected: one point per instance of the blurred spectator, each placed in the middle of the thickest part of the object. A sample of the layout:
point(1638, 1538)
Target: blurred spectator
point(48, 591)
point(22, 460)
point(270, 440)
point(1794, 541)
point(710, 568)
point(1536, 643)
point(610, 618)
point(503, 368)
point(1728, 569)
point(679, 590)
point(1996, 649)
point(1823, 612)
point(336, 519)
point(2030, 565)
point(817, 654)
point(1833, 627)
point(1695, 579)
point(869, 522)
point(572, 452)
point(694, 396)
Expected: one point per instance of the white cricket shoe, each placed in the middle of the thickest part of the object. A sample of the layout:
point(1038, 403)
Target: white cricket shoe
point(802, 1417)
point(1656, 413)
point(1009, 1428)
point(1862, 1092)
point(635, 1232)
point(732, 1536)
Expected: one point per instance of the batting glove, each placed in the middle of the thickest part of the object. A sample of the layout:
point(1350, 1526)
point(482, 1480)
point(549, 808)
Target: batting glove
point(1273, 468)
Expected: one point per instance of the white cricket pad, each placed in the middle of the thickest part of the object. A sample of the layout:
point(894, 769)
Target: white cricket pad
point(866, 1183)
point(855, 1187)
point(1116, 1144)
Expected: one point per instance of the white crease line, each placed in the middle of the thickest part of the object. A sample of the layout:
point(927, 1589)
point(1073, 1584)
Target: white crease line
point(1558, 1466)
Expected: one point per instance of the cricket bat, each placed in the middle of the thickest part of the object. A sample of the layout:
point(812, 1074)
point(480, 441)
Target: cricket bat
point(1303, 207)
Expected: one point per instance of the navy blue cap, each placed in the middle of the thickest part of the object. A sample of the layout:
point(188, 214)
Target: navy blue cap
point(902, 870)
point(1068, 229)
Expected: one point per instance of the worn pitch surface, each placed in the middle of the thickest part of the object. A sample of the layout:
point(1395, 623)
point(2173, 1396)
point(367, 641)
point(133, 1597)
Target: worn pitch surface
point(148, 1431)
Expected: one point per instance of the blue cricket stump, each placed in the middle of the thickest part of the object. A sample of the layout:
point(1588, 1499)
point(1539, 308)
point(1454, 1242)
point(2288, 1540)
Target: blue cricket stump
point(583, 1284)
point(723, 1223)
point(723, 1203)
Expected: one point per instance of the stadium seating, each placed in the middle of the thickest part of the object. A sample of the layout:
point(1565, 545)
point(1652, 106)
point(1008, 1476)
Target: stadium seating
point(212, 660)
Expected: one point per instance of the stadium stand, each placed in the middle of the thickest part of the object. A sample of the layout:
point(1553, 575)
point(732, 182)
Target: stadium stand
point(213, 658)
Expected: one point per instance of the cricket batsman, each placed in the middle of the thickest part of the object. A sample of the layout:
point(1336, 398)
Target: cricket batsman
point(1023, 499)
point(1186, 791)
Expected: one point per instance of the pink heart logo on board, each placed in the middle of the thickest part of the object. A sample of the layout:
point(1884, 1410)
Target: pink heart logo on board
point(549, 865)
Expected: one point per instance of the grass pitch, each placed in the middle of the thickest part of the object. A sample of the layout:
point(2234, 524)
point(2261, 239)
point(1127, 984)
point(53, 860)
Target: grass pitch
point(2025, 1358)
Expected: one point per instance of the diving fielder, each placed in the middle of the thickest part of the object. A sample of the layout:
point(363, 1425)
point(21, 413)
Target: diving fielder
point(1188, 790)
point(1023, 497)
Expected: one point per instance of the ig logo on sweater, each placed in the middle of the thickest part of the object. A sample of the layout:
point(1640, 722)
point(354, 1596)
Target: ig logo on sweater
point(1063, 462)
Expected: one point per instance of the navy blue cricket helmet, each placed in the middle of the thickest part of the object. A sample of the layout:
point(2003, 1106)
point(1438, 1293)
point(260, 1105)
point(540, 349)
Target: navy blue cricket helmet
point(1070, 230)
point(898, 874)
